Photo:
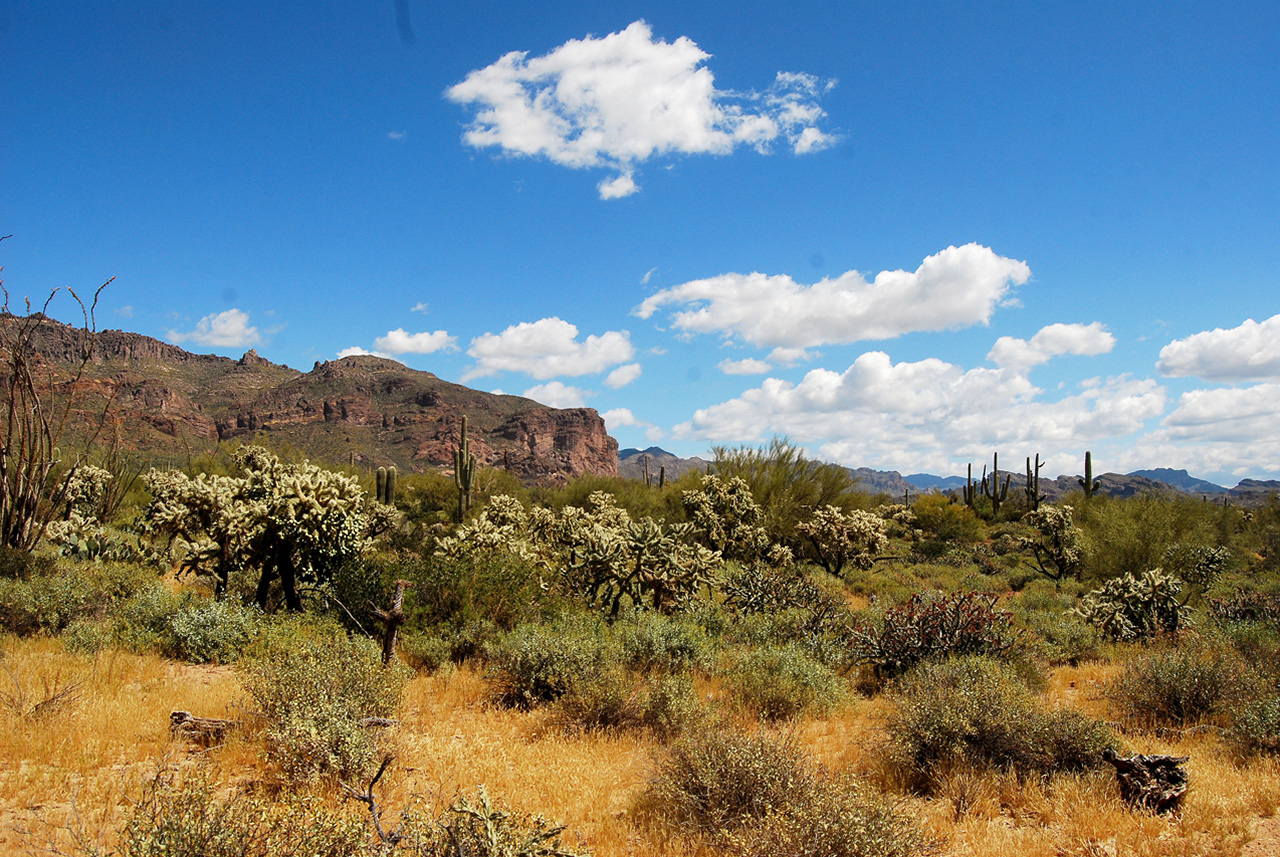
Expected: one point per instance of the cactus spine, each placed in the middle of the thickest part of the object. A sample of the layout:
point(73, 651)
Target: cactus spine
point(1033, 484)
point(994, 491)
point(464, 471)
point(1090, 485)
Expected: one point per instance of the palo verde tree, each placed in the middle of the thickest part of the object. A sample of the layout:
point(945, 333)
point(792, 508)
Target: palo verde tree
point(38, 406)
point(292, 523)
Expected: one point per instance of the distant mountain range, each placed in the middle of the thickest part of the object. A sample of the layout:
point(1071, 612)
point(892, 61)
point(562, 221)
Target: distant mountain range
point(894, 484)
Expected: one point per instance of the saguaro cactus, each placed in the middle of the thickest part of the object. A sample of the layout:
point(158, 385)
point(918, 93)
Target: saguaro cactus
point(1032, 487)
point(970, 494)
point(1088, 483)
point(380, 478)
point(390, 494)
point(464, 471)
point(994, 491)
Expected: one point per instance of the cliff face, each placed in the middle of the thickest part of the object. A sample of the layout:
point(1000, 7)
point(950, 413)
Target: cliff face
point(166, 401)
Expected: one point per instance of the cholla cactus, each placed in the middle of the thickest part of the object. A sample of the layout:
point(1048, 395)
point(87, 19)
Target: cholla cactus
point(291, 522)
point(841, 539)
point(86, 488)
point(1135, 608)
point(727, 516)
point(1059, 547)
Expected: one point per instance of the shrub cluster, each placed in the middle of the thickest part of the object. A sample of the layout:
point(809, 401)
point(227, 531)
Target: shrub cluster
point(1179, 685)
point(976, 711)
point(759, 795)
point(780, 682)
point(1135, 608)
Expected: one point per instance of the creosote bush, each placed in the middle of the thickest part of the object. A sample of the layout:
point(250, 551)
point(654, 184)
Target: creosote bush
point(312, 684)
point(780, 682)
point(975, 711)
point(1189, 683)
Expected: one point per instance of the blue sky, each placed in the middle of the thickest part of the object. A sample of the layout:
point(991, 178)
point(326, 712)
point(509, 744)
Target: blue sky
point(904, 235)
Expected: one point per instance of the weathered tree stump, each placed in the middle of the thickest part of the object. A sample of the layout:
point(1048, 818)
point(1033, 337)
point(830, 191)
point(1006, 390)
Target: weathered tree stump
point(391, 619)
point(205, 730)
point(1150, 782)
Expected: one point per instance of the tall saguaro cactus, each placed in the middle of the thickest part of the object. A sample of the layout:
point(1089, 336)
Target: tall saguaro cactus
point(970, 493)
point(464, 471)
point(994, 491)
point(380, 480)
point(1032, 487)
point(1088, 483)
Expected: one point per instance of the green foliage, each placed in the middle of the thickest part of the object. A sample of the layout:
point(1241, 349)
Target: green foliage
point(781, 682)
point(976, 711)
point(612, 700)
point(295, 523)
point(313, 684)
point(1245, 605)
point(51, 597)
point(652, 642)
point(1179, 685)
point(839, 538)
point(787, 484)
point(207, 631)
point(835, 816)
point(727, 517)
point(944, 520)
point(716, 781)
point(1135, 608)
point(1129, 536)
point(1058, 545)
point(931, 626)
point(1255, 726)
point(535, 664)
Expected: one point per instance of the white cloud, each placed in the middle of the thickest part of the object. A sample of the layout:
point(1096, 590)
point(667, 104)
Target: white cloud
point(618, 186)
point(397, 135)
point(619, 417)
point(919, 415)
point(126, 311)
point(546, 348)
point(1049, 342)
point(618, 100)
point(555, 394)
point(230, 329)
point(1228, 414)
point(957, 287)
point(648, 275)
point(789, 356)
point(622, 376)
point(400, 341)
point(749, 366)
point(421, 307)
point(357, 351)
point(1250, 352)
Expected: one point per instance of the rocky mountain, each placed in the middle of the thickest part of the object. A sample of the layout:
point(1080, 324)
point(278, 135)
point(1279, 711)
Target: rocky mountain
point(167, 403)
point(632, 463)
point(1180, 479)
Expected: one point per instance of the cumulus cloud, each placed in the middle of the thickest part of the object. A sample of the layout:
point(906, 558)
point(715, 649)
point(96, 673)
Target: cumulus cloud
point(621, 99)
point(400, 341)
point(1050, 342)
point(230, 329)
point(617, 418)
point(622, 376)
point(1227, 414)
point(749, 366)
point(920, 414)
point(546, 348)
point(957, 287)
point(1250, 352)
point(421, 307)
point(357, 351)
point(555, 394)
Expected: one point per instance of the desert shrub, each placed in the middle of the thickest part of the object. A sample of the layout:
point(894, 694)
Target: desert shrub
point(208, 631)
point(503, 589)
point(188, 818)
point(534, 664)
point(17, 564)
point(44, 596)
point(1255, 726)
point(614, 700)
point(1135, 608)
point(1064, 638)
point(835, 816)
point(1259, 644)
point(1245, 606)
point(654, 642)
point(976, 711)
point(1178, 685)
point(1058, 546)
point(482, 829)
point(1131, 535)
point(780, 682)
point(945, 521)
point(312, 684)
point(425, 650)
point(931, 626)
point(714, 781)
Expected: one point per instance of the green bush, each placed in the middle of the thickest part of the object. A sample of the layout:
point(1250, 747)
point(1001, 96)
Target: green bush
point(614, 700)
point(534, 664)
point(313, 684)
point(715, 781)
point(654, 642)
point(782, 681)
point(833, 817)
point(207, 631)
point(18, 564)
point(1178, 685)
point(1255, 726)
point(945, 521)
point(425, 650)
point(976, 711)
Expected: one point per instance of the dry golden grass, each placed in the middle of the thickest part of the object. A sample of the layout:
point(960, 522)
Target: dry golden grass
point(112, 732)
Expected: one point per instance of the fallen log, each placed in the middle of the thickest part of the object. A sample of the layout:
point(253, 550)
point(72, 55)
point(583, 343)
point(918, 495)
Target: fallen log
point(1152, 782)
point(205, 730)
